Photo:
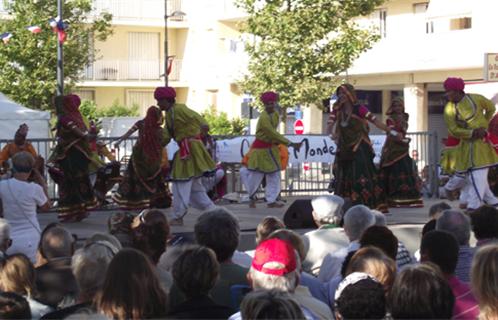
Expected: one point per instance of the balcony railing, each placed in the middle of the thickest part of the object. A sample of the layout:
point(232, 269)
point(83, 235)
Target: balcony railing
point(135, 10)
point(126, 70)
point(4, 5)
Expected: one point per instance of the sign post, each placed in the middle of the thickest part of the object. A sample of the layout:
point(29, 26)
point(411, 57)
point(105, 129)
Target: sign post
point(299, 130)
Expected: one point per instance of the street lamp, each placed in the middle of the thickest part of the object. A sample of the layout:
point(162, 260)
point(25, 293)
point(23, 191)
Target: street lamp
point(177, 14)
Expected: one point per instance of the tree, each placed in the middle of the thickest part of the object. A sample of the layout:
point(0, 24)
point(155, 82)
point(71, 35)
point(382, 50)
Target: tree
point(300, 46)
point(220, 125)
point(29, 61)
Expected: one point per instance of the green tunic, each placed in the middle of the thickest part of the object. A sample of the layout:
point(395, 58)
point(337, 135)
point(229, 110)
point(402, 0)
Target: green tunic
point(267, 160)
point(472, 112)
point(184, 123)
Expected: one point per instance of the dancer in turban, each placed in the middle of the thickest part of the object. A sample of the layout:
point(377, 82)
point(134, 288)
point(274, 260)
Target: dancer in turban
point(467, 117)
point(70, 160)
point(355, 174)
point(192, 161)
point(263, 159)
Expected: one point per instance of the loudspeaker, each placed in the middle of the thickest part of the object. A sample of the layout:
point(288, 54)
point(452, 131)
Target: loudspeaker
point(299, 215)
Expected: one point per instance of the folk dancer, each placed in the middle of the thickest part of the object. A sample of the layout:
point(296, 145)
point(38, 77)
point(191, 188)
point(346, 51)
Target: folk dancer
point(216, 185)
point(192, 161)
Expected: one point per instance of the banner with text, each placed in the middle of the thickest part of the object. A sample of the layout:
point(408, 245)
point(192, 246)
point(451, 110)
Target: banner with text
point(315, 148)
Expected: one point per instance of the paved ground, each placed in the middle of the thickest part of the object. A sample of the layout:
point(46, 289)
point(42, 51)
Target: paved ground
point(406, 223)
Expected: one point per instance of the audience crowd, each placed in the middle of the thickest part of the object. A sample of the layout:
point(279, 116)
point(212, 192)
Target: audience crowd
point(352, 266)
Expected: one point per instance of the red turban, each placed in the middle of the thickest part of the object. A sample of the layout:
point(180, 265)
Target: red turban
point(269, 97)
point(164, 93)
point(274, 250)
point(455, 84)
point(71, 102)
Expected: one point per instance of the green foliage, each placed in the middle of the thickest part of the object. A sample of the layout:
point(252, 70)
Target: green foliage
point(300, 46)
point(28, 62)
point(90, 110)
point(219, 124)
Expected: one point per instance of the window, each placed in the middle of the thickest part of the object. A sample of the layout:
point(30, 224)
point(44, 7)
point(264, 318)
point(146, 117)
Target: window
point(419, 10)
point(379, 18)
point(143, 99)
point(85, 94)
point(461, 23)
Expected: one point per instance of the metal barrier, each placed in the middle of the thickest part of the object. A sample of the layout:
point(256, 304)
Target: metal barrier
point(296, 180)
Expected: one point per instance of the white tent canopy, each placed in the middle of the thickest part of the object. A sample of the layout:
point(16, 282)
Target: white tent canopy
point(12, 115)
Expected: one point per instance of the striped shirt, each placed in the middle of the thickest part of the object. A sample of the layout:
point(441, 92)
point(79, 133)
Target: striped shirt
point(466, 306)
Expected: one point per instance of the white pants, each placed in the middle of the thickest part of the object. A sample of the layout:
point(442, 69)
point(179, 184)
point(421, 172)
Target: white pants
point(244, 177)
point(456, 182)
point(254, 179)
point(479, 192)
point(189, 193)
point(210, 182)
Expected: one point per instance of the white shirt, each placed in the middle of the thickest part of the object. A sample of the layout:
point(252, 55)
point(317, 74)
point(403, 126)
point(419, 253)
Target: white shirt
point(332, 263)
point(20, 200)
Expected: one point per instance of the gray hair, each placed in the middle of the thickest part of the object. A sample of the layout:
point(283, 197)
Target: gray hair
point(89, 265)
point(4, 231)
point(285, 283)
point(380, 218)
point(456, 223)
point(327, 209)
point(219, 230)
point(23, 160)
point(356, 220)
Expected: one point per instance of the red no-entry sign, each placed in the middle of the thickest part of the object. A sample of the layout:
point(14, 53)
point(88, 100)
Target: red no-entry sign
point(298, 126)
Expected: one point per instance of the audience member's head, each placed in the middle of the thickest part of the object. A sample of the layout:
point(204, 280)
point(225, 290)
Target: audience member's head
point(421, 292)
point(169, 257)
point(90, 263)
point(14, 306)
point(360, 296)
point(293, 238)
point(484, 281)
point(131, 288)
point(380, 218)
point(267, 226)
point(218, 229)
point(440, 248)
point(119, 225)
point(55, 242)
point(195, 271)
point(22, 163)
point(270, 304)
point(150, 231)
point(5, 240)
point(484, 222)
point(18, 275)
point(356, 220)
point(382, 238)
point(99, 236)
point(437, 209)
point(456, 223)
point(373, 261)
point(275, 266)
point(429, 226)
point(327, 210)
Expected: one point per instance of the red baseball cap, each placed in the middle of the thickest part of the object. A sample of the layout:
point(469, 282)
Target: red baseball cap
point(274, 250)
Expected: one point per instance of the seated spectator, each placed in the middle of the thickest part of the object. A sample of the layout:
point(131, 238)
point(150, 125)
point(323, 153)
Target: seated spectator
point(263, 230)
point(195, 273)
point(356, 220)
point(428, 226)
point(119, 225)
point(376, 263)
point(5, 240)
point(441, 248)
point(54, 279)
point(277, 266)
point(485, 280)
point(411, 300)
point(484, 223)
point(14, 306)
point(208, 233)
point(327, 214)
point(89, 266)
point(403, 256)
point(382, 238)
point(131, 289)
point(20, 200)
point(150, 234)
point(458, 224)
point(270, 304)
point(360, 296)
point(436, 210)
point(18, 275)
point(309, 286)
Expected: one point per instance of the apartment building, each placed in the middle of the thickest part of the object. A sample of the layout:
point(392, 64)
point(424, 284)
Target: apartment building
point(203, 41)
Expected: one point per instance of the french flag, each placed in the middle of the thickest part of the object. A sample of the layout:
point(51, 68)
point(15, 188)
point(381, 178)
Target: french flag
point(34, 29)
point(5, 37)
